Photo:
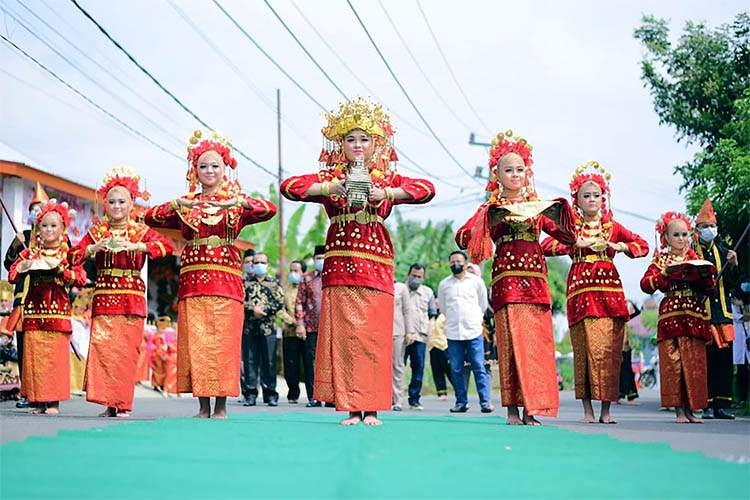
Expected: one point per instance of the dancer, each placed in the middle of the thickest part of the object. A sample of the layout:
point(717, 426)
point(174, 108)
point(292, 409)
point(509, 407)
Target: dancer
point(46, 309)
point(597, 309)
point(520, 294)
point(210, 307)
point(683, 327)
point(354, 351)
point(120, 246)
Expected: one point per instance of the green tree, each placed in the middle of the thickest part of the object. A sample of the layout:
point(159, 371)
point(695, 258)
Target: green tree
point(701, 86)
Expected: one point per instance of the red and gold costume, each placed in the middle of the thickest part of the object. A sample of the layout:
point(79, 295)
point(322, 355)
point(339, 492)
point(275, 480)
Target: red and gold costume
point(46, 317)
point(354, 351)
point(597, 310)
point(683, 326)
point(210, 306)
point(520, 294)
point(119, 305)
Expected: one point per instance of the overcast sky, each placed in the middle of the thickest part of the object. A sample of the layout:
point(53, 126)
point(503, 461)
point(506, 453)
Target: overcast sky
point(565, 76)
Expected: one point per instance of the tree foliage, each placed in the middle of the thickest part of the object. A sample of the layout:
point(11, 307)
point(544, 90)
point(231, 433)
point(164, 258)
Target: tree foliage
point(701, 86)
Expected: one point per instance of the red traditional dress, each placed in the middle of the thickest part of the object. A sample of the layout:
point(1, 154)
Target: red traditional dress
point(597, 310)
point(211, 296)
point(118, 311)
point(47, 326)
point(354, 353)
point(521, 301)
point(682, 331)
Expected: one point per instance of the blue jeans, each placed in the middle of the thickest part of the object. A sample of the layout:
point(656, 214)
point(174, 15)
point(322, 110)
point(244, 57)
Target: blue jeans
point(473, 352)
point(416, 352)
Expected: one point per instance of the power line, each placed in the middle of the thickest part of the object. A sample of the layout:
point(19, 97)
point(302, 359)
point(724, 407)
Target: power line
point(354, 75)
point(419, 67)
point(164, 89)
point(408, 97)
point(232, 66)
point(98, 65)
point(450, 70)
point(86, 75)
point(84, 97)
point(306, 51)
point(273, 61)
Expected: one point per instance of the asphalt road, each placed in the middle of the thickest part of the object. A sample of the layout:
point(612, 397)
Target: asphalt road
point(728, 440)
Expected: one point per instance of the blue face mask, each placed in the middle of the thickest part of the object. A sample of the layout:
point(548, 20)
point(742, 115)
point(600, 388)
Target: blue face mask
point(247, 268)
point(745, 287)
point(319, 264)
point(295, 278)
point(260, 268)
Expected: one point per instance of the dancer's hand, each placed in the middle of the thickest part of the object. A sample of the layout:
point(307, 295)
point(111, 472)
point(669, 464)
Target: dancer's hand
point(377, 194)
point(187, 202)
point(581, 243)
point(337, 188)
point(95, 247)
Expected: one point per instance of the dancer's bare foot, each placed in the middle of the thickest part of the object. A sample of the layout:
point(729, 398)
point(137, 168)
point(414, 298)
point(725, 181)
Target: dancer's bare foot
point(588, 412)
point(355, 417)
point(513, 418)
point(109, 412)
point(529, 419)
point(204, 408)
point(692, 418)
point(122, 414)
point(53, 408)
point(220, 409)
point(39, 410)
point(604, 416)
point(681, 416)
point(371, 418)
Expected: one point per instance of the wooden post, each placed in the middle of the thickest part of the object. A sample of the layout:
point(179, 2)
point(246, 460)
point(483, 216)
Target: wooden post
point(280, 215)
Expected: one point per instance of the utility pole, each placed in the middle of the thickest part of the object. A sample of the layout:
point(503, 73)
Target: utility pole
point(280, 215)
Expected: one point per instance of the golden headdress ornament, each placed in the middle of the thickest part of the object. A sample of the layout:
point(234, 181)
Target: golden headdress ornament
point(210, 140)
point(592, 171)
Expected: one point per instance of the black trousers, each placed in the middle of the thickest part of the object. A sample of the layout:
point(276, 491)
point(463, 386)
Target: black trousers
point(441, 370)
point(628, 388)
point(720, 365)
point(259, 365)
point(298, 354)
point(743, 382)
point(19, 349)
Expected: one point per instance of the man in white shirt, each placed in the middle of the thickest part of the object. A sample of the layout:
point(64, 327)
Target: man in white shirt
point(422, 301)
point(403, 321)
point(463, 300)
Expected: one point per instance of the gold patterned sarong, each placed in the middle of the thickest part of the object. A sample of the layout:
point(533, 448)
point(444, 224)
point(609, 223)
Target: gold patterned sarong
point(113, 359)
point(208, 346)
point(682, 372)
point(46, 366)
point(597, 354)
point(354, 356)
point(526, 357)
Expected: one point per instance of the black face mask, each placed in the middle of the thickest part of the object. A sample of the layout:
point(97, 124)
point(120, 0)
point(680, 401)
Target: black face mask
point(457, 268)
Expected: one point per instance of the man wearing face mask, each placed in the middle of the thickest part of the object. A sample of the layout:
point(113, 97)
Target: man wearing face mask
point(14, 250)
point(719, 359)
point(264, 297)
point(247, 264)
point(307, 312)
point(463, 300)
point(293, 344)
point(422, 301)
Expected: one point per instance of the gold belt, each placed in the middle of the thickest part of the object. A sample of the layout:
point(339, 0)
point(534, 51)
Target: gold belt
point(118, 273)
point(361, 217)
point(680, 293)
point(519, 236)
point(45, 279)
point(592, 258)
point(212, 242)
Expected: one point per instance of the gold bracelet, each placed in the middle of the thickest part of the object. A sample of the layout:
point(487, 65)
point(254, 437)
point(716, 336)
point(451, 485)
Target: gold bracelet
point(175, 206)
point(239, 202)
point(142, 247)
point(324, 189)
point(389, 194)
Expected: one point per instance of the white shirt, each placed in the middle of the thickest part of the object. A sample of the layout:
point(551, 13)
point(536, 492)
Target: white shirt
point(463, 301)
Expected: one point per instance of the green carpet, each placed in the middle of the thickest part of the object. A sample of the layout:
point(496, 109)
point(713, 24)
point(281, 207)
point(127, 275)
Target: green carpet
point(299, 455)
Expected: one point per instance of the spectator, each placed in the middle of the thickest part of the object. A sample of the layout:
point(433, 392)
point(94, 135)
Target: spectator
point(293, 344)
point(437, 345)
point(422, 301)
point(741, 310)
point(307, 309)
point(403, 319)
point(263, 299)
point(463, 297)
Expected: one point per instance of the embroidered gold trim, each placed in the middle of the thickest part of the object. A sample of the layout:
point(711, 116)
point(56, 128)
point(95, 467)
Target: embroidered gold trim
point(596, 289)
point(361, 255)
point(210, 267)
point(683, 313)
point(117, 291)
point(530, 274)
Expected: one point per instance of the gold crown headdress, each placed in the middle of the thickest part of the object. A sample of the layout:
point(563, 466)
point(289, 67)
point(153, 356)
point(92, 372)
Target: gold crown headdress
point(592, 171)
point(364, 115)
point(210, 140)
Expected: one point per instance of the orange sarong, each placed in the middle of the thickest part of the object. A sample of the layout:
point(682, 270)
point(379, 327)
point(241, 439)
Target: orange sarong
point(354, 356)
point(682, 372)
point(526, 357)
point(597, 354)
point(46, 366)
point(113, 360)
point(208, 346)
